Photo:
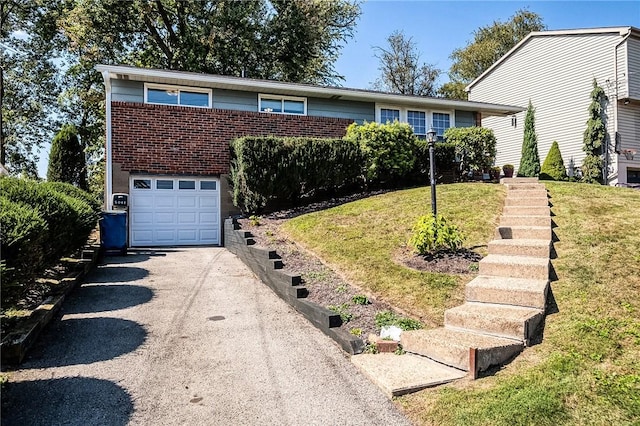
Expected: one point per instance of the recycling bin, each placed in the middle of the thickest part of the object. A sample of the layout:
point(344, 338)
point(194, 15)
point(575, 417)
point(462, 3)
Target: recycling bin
point(113, 231)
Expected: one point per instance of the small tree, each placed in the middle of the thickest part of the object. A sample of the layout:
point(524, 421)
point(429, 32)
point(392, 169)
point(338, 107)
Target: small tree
point(553, 166)
point(66, 158)
point(475, 146)
point(594, 137)
point(530, 160)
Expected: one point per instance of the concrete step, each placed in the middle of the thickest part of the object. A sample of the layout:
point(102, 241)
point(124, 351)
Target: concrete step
point(521, 247)
point(451, 347)
point(527, 210)
point(513, 322)
point(508, 291)
point(527, 201)
point(515, 267)
point(523, 232)
point(524, 185)
point(506, 181)
point(525, 220)
point(527, 193)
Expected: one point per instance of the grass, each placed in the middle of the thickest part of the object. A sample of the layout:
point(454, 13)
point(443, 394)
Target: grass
point(585, 371)
point(361, 240)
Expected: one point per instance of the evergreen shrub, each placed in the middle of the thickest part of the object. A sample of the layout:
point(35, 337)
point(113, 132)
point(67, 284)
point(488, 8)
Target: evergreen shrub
point(530, 159)
point(431, 235)
point(553, 166)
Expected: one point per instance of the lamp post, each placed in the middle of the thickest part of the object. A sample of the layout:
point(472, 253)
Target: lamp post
point(431, 138)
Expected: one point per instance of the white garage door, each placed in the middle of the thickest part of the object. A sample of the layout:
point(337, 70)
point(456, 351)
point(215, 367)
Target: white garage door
point(172, 211)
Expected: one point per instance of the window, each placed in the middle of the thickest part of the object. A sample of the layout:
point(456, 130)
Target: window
point(142, 183)
point(164, 184)
point(174, 95)
point(187, 184)
point(418, 120)
point(441, 122)
point(282, 104)
point(388, 115)
point(208, 185)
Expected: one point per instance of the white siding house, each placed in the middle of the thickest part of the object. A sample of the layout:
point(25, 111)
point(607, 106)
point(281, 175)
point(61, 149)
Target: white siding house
point(555, 71)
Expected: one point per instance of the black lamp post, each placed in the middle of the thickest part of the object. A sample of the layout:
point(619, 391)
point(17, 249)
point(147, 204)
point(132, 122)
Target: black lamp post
point(431, 138)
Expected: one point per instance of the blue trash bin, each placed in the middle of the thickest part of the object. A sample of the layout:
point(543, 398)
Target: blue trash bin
point(113, 231)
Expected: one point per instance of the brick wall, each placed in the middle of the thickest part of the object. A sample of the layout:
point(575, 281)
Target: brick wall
point(160, 139)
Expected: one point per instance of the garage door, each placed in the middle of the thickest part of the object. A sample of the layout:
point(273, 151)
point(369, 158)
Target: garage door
point(168, 211)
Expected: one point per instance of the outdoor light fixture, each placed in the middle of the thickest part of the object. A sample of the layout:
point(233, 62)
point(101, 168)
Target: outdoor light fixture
point(431, 138)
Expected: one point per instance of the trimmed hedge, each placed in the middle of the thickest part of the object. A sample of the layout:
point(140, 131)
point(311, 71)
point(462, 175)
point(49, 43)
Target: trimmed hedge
point(40, 224)
point(553, 166)
point(264, 169)
point(445, 156)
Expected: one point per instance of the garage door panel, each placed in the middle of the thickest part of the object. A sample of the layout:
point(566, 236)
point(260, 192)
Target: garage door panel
point(174, 211)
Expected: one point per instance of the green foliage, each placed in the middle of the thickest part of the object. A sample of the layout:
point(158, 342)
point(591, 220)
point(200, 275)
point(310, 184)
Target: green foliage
point(74, 192)
point(475, 146)
point(529, 159)
point(356, 331)
point(265, 169)
point(594, 137)
point(454, 90)
point(553, 166)
point(444, 153)
point(387, 149)
point(254, 220)
point(66, 158)
point(490, 43)
point(360, 299)
point(388, 318)
point(343, 311)
point(432, 235)
point(400, 68)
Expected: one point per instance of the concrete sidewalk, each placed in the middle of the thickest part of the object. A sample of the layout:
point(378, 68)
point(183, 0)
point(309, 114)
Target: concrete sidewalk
point(187, 336)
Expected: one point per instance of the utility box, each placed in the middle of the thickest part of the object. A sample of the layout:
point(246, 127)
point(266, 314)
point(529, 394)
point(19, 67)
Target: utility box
point(113, 231)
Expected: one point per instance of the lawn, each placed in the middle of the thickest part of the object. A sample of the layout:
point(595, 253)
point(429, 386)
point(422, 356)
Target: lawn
point(585, 371)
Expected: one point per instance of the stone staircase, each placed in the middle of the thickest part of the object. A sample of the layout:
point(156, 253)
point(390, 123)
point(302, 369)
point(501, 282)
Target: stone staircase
point(506, 302)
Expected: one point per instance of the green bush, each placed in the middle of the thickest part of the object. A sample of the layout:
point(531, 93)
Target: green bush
point(66, 158)
point(265, 169)
point(431, 235)
point(75, 192)
point(23, 235)
point(444, 153)
point(553, 166)
point(475, 146)
point(387, 318)
point(529, 159)
point(388, 149)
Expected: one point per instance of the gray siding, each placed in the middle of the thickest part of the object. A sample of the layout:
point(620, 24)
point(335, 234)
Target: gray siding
point(127, 91)
point(633, 67)
point(621, 78)
point(629, 129)
point(556, 74)
point(357, 111)
point(235, 100)
point(464, 119)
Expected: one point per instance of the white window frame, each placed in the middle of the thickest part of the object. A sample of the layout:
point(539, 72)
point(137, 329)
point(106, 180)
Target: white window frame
point(282, 99)
point(148, 86)
point(405, 109)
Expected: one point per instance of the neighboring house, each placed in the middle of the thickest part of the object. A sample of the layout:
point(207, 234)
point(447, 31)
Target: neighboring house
point(555, 70)
point(168, 135)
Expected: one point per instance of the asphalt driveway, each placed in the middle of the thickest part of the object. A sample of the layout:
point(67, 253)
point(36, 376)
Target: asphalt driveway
point(186, 336)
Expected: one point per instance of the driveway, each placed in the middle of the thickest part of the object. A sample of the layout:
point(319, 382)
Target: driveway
point(186, 336)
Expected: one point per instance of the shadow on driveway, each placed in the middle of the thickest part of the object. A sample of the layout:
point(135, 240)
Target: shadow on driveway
point(116, 274)
point(102, 298)
point(68, 401)
point(85, 341)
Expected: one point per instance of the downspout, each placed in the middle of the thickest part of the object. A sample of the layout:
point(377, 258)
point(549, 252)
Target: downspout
point(108, 187)
point(615, 108)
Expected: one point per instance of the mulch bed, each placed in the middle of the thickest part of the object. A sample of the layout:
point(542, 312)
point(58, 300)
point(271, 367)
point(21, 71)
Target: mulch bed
point(326, 286)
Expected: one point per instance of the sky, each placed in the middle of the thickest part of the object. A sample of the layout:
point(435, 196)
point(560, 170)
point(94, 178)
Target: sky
point(439, 27)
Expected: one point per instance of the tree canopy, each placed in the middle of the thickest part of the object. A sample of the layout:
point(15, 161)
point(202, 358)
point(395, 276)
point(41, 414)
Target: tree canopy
point(401, 70)
point(489, 44)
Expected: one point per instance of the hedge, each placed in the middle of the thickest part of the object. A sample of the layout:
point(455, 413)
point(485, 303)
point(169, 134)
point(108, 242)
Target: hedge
point(67, 220)
point(267, 169)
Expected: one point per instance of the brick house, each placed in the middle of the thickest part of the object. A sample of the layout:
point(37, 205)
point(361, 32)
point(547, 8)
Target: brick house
point(168, 134)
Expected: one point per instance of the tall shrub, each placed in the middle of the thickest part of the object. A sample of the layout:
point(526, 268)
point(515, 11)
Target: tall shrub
point(529, 160)
point(475, 146)
point(594, 137)
point(66, 158)
point(553, 166)
point(387, 149)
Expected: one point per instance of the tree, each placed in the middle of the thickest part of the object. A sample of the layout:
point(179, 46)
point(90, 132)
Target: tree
point(489, 44)
point(401, 69)
point(553, 166)
point(594, 137)
point(529, 160)
point(66, 159)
